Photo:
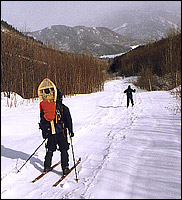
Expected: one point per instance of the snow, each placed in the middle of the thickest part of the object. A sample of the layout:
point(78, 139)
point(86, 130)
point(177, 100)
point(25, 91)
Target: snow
point(119, 54)
point(4, 30)
point(134, 46)
point(127, 153)
point(122, 26)
point(111, 56)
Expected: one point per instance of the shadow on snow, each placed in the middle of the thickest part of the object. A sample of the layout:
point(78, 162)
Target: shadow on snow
point(14, 154)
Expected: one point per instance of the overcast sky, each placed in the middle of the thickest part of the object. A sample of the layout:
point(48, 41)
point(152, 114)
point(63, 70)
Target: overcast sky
point(36, 15)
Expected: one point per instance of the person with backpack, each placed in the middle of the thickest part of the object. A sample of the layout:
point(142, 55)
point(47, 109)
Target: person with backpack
point(59, 140)
point(129, 94)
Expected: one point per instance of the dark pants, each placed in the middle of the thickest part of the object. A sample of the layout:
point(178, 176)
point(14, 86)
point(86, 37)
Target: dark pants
point(57, 140)
point(128, 101)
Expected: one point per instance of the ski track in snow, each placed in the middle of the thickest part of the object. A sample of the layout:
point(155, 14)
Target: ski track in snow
point(127, 153)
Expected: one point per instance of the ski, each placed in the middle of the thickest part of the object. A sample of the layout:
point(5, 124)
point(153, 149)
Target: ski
point(44, 173)
point(64, 176)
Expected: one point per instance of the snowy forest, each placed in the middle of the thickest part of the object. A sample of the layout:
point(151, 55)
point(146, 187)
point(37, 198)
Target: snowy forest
point(25, 62)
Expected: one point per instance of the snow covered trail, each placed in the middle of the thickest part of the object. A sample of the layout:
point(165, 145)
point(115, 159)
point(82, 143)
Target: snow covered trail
point(126, 153)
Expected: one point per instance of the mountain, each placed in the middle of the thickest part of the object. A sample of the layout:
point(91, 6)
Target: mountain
point(146, 24)
point(96, 41)
point(114, 32)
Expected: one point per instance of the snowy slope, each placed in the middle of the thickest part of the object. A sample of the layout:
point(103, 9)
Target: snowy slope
point(126, 153)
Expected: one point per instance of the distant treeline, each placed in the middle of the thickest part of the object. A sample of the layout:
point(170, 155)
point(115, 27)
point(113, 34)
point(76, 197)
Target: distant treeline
point(14, 30)
point(25, 63)
point(10, 27)
point(157, 64)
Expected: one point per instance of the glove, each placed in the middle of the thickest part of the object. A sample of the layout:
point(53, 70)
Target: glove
point(40, 125)
point(71, 134)
point(45, 135)
point(46, 130)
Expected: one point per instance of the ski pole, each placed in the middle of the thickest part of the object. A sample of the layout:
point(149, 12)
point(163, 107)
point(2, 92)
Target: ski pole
point(32, 154)
point(73, 157)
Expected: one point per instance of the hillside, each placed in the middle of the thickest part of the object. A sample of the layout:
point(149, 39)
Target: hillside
point(9, 29)
point(96, 41)
point(157, 64)
point(26, 62)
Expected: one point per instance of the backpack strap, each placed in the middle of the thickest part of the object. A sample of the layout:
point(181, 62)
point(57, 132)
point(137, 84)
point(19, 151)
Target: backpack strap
point(59, 114)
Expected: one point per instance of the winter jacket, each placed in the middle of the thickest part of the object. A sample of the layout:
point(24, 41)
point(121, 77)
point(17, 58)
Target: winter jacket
point(62, 120)
point(129, 91)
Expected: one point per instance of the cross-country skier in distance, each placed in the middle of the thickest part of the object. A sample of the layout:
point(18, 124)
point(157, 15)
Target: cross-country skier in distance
point(129, 94)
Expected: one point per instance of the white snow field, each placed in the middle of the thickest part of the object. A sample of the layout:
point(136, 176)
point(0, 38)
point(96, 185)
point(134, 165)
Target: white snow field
point(127, 153)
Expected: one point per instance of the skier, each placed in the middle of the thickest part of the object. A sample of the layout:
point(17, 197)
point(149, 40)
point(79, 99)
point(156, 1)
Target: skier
point(62, 122)
point(128, 92)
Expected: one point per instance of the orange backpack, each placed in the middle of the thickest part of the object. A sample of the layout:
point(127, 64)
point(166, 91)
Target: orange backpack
point(49, 109)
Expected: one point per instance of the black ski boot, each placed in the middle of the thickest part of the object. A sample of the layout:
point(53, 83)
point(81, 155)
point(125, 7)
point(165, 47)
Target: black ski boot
point(66, 171)
point(47, 169)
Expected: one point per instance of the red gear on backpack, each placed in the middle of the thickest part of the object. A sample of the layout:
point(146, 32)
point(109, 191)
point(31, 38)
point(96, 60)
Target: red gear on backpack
point(49, 109)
